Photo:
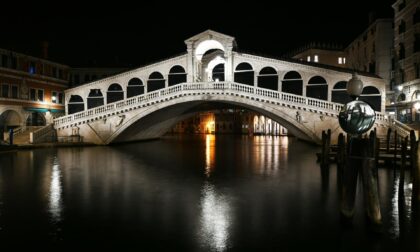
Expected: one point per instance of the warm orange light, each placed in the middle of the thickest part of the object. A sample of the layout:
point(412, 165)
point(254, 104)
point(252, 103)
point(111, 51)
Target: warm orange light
point(210, 127)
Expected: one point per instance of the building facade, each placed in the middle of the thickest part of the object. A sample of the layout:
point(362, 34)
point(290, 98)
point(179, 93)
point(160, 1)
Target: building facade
point(81, 75)
point(406, 103)
point(371, 51)
point(322, 53)
point(31, 90)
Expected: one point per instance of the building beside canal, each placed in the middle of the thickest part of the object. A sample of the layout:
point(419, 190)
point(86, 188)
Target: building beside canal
point(31, 90)
point(406, 103)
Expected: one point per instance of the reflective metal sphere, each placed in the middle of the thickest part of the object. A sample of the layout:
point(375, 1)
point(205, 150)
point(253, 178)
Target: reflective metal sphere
point(354, 86)
point(356, 117)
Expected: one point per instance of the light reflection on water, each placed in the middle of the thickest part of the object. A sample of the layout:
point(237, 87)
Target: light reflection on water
point(55, 201)
point(215, 218)
point(210, 152)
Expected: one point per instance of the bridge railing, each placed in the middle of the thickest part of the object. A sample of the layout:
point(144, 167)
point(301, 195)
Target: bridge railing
point(185, 88)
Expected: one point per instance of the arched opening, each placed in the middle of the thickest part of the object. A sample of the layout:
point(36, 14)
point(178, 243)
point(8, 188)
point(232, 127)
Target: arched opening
point(401, 27)
point(372, 96)
point(268, 78)
point(35, 119)
point(206, 45)
point(135, 87)
point(177, 75)
point(339, 93)
point(401, 97)
point(415, 96)
point(95, 99)
point(75, 104)
point(155, 82)
point(292, 83)
point(9, 119)
point(244, 74)
point(114, 93)
point(317, 88)
point(218, 73)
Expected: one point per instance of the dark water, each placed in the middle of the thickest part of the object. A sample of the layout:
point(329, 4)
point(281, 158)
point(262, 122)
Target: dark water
point(201, 193)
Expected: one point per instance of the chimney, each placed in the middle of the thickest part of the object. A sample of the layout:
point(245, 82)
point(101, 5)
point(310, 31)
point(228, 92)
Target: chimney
point(45, 45)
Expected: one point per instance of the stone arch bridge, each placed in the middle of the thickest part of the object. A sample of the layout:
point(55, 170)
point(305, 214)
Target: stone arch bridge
point(146, 102)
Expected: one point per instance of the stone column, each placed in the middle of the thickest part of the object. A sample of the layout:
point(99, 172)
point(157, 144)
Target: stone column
point(229, 62)
point(190, 63)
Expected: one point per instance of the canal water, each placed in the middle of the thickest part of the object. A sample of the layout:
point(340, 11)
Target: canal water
point(191, 193)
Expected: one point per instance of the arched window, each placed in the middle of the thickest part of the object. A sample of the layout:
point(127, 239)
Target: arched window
point(177, 75)
point(292, 83)
point(75, 104)
point(402, 51)
point(218, 73)
point(36, 119)
point(155, 82)
point(244, 74)
point(415, 96)
point(95, 98)
point(401, 27)
point(339, 93)
point(401, 97)
point(268, 78)
point(115, 93)
point(135, 87)
point(372, 96)
point(317, 88)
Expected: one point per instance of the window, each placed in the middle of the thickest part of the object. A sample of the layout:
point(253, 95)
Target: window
point(401, 27)
point(40, 95)
point(32, 67)
point(316, 58)
point(76, 79)
point(32, 94)
point(417, 43)
point(5, 90)
point(401, 6)
point(416, 16)
point(417, 69)
point(54, 72)
point(402, 51)
point(54, 97)
point(60, 73)
point(340, 60)
point(4, 60)
point(308, 59)
point(344, 60)
point(60, 98)
point(14, 62)
point(15, 92)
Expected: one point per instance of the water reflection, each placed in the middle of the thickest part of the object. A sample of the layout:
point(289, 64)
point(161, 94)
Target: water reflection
point(268, 152)
point(210, 150)
point(215, 218)
point(55, 201)
point(401, 207)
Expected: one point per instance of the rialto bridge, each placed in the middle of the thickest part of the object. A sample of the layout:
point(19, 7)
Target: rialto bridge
point(146, 102)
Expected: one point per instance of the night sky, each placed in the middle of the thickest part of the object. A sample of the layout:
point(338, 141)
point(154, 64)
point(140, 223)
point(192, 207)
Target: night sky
point(126, 35)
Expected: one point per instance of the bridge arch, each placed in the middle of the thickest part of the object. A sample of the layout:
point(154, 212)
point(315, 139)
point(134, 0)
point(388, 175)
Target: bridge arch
point(158, 119)
point(10, 118)
point(244, 73)
point(95, 98)
point(372, 96)
point(176, 75)
point(206, 45)
point(115, 93)
point(218, 72)
point(268, 78)
point(292, 83)
point(317, 88)
point(75, 104)
point(135, 87)
point(155, 82)
point(339, 93)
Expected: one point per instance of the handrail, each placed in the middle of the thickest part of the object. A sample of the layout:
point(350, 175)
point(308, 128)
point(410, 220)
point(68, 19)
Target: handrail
point(402, 129)
point(204, 88)
point(40, 134)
